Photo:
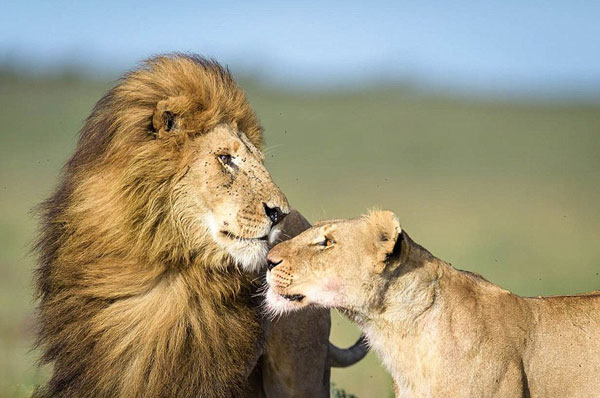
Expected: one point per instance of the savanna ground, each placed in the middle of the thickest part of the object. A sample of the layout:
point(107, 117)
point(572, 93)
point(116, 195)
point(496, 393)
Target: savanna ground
point(507, 189)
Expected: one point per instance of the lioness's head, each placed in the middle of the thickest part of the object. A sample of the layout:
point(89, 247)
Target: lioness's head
point(169, 165)
point(338, 263)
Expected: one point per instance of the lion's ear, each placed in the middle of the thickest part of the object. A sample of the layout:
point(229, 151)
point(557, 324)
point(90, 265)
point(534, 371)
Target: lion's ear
point(166, 116)
point(388, 237)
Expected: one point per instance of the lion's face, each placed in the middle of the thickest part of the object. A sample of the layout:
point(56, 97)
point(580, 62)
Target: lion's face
point(333, 264)
point(227, 192)
point(169, 166)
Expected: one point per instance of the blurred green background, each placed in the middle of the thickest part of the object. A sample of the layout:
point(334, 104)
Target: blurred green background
point(507, 189)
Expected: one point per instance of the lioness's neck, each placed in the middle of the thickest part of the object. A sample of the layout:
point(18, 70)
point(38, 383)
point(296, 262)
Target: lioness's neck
point(408, 301)
point(406, 329)
point(407, 290)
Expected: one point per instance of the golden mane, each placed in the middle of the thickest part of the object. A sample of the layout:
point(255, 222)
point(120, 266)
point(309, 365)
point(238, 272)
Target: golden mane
point(127, 307)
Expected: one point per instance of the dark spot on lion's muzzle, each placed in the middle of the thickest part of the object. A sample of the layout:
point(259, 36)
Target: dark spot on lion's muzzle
point(274, 213)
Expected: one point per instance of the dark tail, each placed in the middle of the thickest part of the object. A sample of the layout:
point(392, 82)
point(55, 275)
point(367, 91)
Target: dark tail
point(343, 357)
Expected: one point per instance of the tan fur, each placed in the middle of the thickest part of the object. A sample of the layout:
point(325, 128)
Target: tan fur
point(142, 245)
point(441, 332)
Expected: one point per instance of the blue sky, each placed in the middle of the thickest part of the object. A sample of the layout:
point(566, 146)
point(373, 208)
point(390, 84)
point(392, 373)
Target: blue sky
point(503, 45)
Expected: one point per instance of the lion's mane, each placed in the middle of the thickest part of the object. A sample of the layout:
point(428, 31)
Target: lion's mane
point(127, 307)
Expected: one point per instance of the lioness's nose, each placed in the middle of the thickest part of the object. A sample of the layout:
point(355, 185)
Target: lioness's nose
point(274, 213)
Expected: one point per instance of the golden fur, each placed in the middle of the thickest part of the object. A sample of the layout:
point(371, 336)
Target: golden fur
point(141, 245)
point(441, 332)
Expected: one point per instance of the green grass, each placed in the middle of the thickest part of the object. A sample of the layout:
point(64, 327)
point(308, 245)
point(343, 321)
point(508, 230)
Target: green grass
point(509, 190)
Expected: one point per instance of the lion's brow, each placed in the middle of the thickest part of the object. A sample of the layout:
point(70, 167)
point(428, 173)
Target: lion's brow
point(249, 145)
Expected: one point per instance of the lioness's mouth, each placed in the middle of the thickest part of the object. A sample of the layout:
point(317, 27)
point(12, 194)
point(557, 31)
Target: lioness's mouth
point(293, 297)
point(236, 237)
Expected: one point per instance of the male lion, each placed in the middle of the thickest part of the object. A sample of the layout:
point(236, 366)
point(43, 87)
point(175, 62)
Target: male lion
point(149, 247)
point(440, 331)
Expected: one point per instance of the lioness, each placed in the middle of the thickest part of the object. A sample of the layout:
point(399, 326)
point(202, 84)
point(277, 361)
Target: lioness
point(440, 331)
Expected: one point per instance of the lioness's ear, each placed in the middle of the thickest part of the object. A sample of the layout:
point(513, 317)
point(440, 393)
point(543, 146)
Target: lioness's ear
point(388, 237)
point(165, 119)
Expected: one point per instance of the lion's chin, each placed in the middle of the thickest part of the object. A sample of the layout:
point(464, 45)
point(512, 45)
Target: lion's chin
point(249, 254)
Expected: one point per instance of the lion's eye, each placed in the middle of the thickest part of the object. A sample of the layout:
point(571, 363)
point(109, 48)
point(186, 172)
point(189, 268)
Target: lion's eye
point(225, 159)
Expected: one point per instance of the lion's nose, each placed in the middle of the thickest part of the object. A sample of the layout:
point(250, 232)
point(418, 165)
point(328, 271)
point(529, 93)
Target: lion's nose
point(274, 213)
point(272, 263)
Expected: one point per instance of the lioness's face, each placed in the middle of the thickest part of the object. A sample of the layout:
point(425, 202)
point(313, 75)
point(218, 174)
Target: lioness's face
point(333, 264)
point(227, 192)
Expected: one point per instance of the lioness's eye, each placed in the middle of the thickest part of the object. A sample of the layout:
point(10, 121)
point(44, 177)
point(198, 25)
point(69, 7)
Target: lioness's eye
point(225, 159)
point(327, 242)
